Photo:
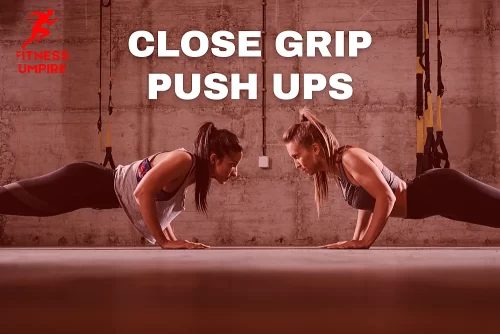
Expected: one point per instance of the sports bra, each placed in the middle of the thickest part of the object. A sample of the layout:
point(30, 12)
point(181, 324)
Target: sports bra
point(145, 166)
point(355, 195)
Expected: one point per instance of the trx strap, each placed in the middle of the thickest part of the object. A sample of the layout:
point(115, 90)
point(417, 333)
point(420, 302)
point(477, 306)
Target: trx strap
point(428, 155)
point(420, 89)
point(428, 113)
point(439, 144)
point(108, 157)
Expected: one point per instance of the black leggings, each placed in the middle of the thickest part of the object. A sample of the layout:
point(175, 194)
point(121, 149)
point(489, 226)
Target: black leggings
point(454, 195)
point(77, 185)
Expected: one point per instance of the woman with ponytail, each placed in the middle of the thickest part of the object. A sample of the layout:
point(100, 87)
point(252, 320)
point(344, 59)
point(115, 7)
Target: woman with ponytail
point(151, 191)
point(377, 193)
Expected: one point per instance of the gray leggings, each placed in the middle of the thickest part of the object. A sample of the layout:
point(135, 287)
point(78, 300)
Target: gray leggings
point(454, 195)
point(78, 185)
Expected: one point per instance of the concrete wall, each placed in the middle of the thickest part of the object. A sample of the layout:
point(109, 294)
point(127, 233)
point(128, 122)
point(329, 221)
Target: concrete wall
point(48, 120)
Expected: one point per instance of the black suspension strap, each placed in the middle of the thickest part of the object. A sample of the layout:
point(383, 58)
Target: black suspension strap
point(428, 113)
point(420, 89)
point(108, 158)
point(443, 155)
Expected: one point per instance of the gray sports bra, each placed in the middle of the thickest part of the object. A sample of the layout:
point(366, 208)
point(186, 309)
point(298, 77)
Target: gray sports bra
point(356, 196)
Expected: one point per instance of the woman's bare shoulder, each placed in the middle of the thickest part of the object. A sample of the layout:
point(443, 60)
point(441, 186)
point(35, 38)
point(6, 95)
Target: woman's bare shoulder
point(353, 155)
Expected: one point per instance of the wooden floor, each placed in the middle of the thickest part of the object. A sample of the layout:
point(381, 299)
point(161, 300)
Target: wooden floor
point(250, 290)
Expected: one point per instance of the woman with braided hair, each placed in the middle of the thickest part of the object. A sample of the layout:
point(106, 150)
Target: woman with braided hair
point(151, 191)
point(369, 186)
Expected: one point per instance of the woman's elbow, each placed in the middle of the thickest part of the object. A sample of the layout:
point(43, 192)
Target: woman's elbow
point(388, 198)
point(139, 193)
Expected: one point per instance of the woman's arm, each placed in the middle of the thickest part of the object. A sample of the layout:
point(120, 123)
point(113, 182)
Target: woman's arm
point(176, 165)
point(366, 173)
point(364, 218)
point(169, 233)
point(369, 176)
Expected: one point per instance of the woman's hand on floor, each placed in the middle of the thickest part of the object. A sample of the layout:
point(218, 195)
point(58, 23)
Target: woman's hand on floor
point(351, 244)
point(183, 244)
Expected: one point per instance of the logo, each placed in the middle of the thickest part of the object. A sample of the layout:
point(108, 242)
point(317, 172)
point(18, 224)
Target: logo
point(41, 61)
point(38, 32)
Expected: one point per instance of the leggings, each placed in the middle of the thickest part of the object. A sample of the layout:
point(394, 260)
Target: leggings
point(75, 186)
point(453, 195)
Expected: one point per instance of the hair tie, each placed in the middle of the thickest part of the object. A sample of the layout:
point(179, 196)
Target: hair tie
point(303, 112)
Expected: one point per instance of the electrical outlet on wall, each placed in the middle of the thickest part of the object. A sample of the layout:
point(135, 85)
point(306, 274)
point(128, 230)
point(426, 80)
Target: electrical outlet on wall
point(264, 161)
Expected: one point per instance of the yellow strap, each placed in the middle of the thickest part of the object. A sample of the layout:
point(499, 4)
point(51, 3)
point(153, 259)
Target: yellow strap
point(426, 30)
point(420, 69)
point(438, 115)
